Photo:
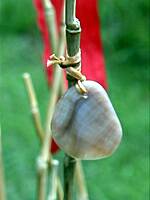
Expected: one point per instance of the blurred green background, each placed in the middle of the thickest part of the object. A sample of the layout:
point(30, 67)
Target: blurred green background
point(124, 176)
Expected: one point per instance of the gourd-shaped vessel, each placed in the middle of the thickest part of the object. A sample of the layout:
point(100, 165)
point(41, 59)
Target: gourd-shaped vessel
point(86, 126)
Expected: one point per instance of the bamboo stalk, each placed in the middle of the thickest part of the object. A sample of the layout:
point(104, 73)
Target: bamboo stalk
point(34, 106)
point(45, 154)
point(2, 187)
point(73, 45)
point(60, 192)
point(41, 165)
point(51, 22)
point(54, 175)
point(80, 180)
point(82, 194)
point(43, 173)
point(39, 130)
point(69, 171)
point(58, 78)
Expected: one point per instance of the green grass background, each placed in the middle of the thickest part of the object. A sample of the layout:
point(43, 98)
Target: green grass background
point(124, 176)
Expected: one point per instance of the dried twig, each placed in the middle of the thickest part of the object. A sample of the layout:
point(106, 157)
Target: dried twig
point(51, 22)
point(42, 166)
point(80, 180)
point(53, 181)
point(34, 106)
point(45, 154)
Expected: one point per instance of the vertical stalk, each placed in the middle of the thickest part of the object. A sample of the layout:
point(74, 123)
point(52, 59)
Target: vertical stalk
point(80, 181)
point(2, 188)
point(53, 180)
point(73, 30)
point(69, 172)
point(51, 21)
point(34, 106)
point(45, 155)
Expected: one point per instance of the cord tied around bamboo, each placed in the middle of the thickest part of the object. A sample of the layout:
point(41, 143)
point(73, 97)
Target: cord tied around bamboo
point(65, 62)
point(72, 66)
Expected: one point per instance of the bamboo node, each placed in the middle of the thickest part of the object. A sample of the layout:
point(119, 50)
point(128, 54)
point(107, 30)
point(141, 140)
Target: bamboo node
point(41, 164)
point(34, 109)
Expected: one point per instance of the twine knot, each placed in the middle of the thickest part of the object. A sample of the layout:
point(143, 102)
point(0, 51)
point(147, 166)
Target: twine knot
point(69, 61)
point(72, 66)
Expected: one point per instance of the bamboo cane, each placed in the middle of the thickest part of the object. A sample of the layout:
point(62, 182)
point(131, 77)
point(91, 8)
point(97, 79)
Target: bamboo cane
point(58, 74)
point(45, 154)
point(36, 115)
point(34, 106)
point(2, 187)
point(38, 126)
point(50, 14)
point(73, 45)
point(51, 21)
point(54, 174)
point(80, 181)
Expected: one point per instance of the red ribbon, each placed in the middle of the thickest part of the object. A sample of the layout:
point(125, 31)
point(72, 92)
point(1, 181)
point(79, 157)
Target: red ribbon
point(91, 45)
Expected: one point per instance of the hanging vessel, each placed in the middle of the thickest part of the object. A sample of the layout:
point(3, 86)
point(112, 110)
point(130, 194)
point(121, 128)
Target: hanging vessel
point(86, 126)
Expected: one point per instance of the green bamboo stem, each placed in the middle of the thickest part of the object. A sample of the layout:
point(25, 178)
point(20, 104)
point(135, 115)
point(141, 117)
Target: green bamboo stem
point(2, 187)
point(82, 194)
point(73, 30)
point(69, 172)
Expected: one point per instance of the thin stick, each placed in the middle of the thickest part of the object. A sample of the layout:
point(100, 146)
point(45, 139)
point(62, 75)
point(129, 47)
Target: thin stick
point(60, 191)
point(81, 185)
point(38, 126)
point(34, 106)
point(69, 171)
point(53, 35)
point(79, 174)
point(45, 154)
point(73, 45)
point(58, 78)
point(51, 21)
point(2, 187)
point(54, 174)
